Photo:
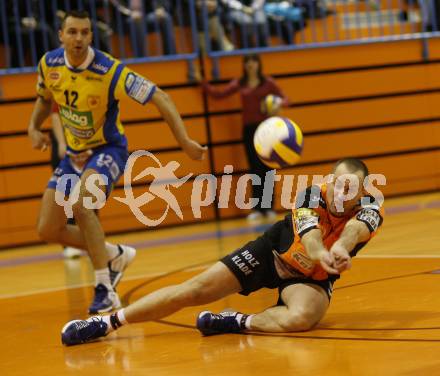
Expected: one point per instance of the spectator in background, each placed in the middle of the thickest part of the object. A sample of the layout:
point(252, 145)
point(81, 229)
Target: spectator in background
point(144, 16)
point(253, 87)
point(28, 32)
point(314, 9)
point(158, 15)
point(249, 15)
point(216, 31)
point(430, 14)
point(285, 19)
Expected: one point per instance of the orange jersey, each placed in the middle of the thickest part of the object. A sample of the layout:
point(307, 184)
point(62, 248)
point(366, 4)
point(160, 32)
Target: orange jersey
point(313, 213)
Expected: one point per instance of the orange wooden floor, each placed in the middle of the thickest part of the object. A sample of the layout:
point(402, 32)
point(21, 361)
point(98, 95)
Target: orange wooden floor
point(384, 318)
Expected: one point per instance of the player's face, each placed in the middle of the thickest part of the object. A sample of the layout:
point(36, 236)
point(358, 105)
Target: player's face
point(76, 36)
point(345, 191)
point(251, 66)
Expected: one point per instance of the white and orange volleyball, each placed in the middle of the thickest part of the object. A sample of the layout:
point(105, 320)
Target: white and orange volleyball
point(278, 142)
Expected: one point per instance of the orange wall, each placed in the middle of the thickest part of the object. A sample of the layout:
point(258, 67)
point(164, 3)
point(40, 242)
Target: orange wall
point(379, 102)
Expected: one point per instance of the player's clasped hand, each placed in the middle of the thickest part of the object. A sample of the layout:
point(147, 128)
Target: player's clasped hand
point(342, 259)
point(327, 262)
point(39, 140)
point(194, 150)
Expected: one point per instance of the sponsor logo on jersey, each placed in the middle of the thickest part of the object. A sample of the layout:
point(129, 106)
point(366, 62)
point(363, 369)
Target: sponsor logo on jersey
point(93, 101)
point(138, 87)
point(305, 262)
point(92, 78)
point(370, 217)
point(304, 212)
point(80, 133)
point(76, 118)
point(129, 81)
point(54, 76)
point(284, 269)
point(100, 67)
point(56, 60)
point(93, 142)
point(304, 219)
point(305, 223)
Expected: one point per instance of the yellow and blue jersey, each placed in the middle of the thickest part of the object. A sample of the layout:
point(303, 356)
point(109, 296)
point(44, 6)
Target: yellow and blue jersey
point(88, 99)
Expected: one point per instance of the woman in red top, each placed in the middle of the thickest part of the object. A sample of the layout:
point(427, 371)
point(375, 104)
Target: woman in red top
point(253, 87)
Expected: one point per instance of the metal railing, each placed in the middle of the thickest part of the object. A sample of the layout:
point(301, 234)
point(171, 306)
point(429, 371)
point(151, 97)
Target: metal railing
point(132, 30)
point(305, 22)
point(273, 25)
point(154, 30)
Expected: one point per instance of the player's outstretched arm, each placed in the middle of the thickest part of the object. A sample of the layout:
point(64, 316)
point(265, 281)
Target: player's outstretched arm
point(40, 113)
point(354, 232)
point(169, 112)
point(315, 248)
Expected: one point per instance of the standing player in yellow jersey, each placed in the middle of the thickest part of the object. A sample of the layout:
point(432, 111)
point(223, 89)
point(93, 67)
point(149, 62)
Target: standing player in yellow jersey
point(301, 256)
point(87, 85)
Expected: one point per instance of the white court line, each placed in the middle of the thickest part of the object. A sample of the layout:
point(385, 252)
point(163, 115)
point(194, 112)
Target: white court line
point(76, 286)
point(80, 285)
point(153, 275)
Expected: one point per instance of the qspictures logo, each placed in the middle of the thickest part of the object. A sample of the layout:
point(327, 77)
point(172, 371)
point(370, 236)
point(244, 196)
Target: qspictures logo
point(207, 189)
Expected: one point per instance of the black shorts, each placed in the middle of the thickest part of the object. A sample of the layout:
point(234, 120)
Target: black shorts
point(254, 266)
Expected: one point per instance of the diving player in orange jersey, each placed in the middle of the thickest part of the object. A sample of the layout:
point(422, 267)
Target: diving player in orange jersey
point(301, 255)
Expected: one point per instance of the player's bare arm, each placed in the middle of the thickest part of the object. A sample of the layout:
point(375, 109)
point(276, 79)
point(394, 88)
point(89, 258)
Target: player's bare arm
point(169, 112)
point(315, 248)
point(354, 232)
point(57, 129)
point(40, 113)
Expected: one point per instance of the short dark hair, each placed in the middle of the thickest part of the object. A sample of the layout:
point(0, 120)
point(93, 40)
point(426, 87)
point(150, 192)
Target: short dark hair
point(83, 14)
point(353, 164)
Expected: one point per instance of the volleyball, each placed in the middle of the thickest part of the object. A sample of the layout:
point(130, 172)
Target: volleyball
point(271, 104)
point(278, 142)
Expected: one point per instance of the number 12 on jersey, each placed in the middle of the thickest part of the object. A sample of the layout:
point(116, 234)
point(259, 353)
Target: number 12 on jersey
point(71, 98)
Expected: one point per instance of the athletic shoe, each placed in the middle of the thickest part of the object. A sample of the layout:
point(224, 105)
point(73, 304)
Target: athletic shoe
point(81, 331)
point(105, 300)
point(209, 323)
point(118, 264)
point(72, 252)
